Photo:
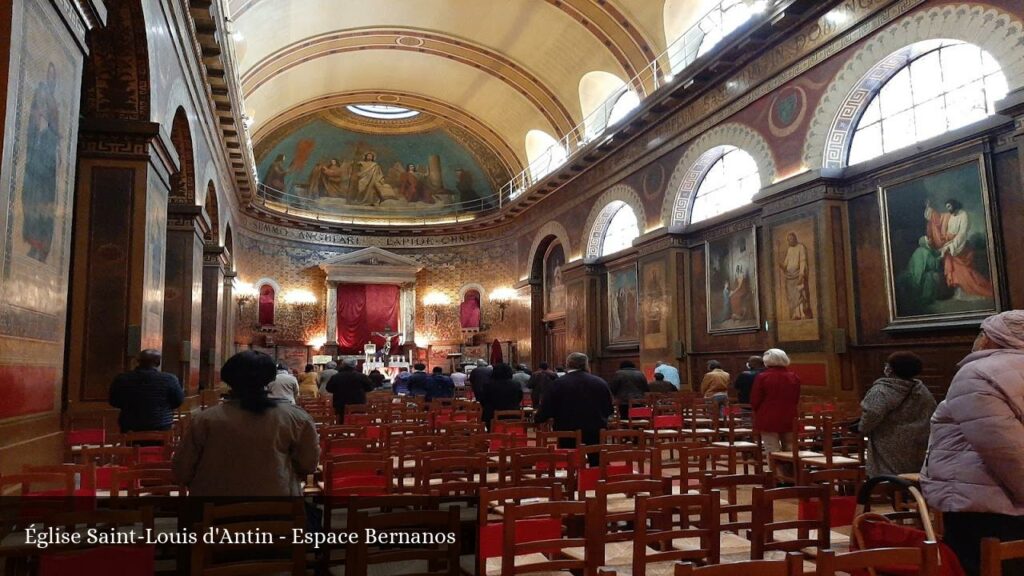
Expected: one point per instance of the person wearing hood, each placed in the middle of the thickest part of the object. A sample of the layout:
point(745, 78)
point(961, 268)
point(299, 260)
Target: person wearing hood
point(627, 384)
point(895, 415)
point(974, 468)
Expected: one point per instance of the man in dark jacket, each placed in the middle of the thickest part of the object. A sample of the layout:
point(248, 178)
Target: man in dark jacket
point(578, 401)
point(146, 396)
point(348, 387)
point(539, 382)
point(479, 377)
point(418, 382)
point(439, 385)
point(745, 381)
point(628, 383)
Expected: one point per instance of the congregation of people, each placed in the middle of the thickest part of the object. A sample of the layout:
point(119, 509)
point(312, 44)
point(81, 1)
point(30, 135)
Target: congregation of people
point(967, 451)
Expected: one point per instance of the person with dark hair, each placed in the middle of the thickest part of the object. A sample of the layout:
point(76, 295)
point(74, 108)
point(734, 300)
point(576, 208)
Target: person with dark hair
point(500, 392)
point(745, 381)
point(627, 383)
point(400, 385)
point(577, 401)
point(539, 381)
point(330, 369)
point(660, 385)
point(376, 378)
point(252, 445)
point(439, 385)
point(309, 383)
point(479, 376)
point(715, 385)
point(895, 415)
point(348, 386)
point(419, 381)
point(285, 386)
point(146, 396)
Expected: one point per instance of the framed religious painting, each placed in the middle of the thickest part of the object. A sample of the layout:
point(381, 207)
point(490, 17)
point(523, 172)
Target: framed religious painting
point(623, 306)
point(938, 247)
point(794, 248)
point(654, 305)
point(731, 275)
point(554, 287)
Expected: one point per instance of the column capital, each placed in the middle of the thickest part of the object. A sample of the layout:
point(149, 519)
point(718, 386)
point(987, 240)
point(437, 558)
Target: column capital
point(121, 139)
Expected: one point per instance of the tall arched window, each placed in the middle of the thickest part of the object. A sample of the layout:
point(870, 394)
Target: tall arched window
point(694, 27)
point(544, 153)
point(730, 182)
point(604, 100)
point(624, 104)
point(945, 85)
point(622, 229)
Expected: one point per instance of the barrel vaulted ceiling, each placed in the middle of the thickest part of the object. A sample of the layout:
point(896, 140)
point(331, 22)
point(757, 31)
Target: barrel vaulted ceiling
point(499, 68)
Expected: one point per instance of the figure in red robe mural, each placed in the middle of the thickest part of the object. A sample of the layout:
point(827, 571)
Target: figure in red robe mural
point(948, 232)
point(469, 310)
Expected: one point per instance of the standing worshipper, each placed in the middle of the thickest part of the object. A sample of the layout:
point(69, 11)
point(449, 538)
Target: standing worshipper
point(419, 380)
point(285, 386)
point(745, 381)
point(251, 445)
point(539, 381)
point(479, 376)
point(522, 377)
point(896, 414)
point(439, 385)
point(348, 386)
point(974, 468)
point(577, 401)
point(775, 400)
point(309, 383)
point(146, 396)
point(660, 385)
point(500, 392)
point(671, 373)
point(715, 385)
point(329, 371)
point(627, 384)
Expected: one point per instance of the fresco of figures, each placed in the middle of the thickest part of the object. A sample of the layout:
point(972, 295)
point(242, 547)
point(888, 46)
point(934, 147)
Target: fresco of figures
point(795, 262)
point(938, 246)
point(554, 288)
point(623, 308)
point(321, 166)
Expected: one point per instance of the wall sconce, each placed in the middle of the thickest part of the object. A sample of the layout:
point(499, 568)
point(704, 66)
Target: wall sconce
point(502, 297)
point(434, 303)
point(318, 342)
point(299, 296)
point(245, 293)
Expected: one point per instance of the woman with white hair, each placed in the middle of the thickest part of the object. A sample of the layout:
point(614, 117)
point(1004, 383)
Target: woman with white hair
point(775, 399)
point(974, 469)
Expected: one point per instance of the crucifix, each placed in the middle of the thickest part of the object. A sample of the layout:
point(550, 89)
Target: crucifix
point(387, 334)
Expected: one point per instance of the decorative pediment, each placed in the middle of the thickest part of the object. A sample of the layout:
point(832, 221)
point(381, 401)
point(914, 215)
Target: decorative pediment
point(371, 266)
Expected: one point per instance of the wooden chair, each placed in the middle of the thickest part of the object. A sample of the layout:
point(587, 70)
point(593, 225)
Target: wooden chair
point(542, 556)
point(924, 558)
point(83, 432)
point(664, 531)
point(370, 475)
point(106, 459)
point(791, 565)
point(739, 516)
point(84, 477)
point(994, 554)
point(624, 436)
point(696, 463)
point(271, 554)
point(763, 531)
point(614, 512)
point(807, 443)
point(84, 559)
point(490, 536)
point(548, 468)
point(436, 555)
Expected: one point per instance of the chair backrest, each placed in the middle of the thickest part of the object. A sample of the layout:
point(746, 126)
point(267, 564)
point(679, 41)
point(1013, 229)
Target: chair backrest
point(491, 541)
point(134, 483)
point(553, 438)
point(994, 552)
point(614, 511)
point(426, 536)
point(696, 463)
point(84, 474)
point(567, 513)
point(57, 483)
point(739, 516)
point(660, 520)
point(452, 475)
point(791, 565)
point(369, 476)
point(924, 558)
point(763, 531)
point(275, 521)
point(548, 468)
point(624, 436)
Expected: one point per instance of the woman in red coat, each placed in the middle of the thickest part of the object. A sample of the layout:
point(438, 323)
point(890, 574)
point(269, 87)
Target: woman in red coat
point(775, 399)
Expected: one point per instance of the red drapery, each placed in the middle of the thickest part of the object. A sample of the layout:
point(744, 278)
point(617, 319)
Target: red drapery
point(266, 306)
point(364, 309)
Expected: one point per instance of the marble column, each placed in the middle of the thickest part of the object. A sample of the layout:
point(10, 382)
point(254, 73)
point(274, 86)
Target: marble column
point(229, 339)
point(331, 312)
point(407, 312)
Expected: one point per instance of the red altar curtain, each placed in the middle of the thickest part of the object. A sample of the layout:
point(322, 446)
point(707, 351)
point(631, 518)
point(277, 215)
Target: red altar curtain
point(362, 310)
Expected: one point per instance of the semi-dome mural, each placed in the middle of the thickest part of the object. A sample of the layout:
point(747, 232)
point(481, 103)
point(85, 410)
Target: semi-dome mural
point(340, 162)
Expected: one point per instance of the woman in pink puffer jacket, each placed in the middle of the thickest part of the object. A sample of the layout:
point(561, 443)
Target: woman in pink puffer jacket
point(974, 470)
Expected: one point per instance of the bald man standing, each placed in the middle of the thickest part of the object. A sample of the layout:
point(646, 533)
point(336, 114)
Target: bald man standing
point(146, 396)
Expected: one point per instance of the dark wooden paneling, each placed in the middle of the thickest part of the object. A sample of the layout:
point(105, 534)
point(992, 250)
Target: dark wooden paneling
point(1010, 198)
point(109, 249)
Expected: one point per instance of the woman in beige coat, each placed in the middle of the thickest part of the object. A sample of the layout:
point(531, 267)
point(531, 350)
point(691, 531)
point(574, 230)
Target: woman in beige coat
point(974, 470)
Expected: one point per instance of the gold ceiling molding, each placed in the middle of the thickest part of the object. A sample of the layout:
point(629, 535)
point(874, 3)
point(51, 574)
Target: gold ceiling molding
point(616, 32)
point(455, 49)
point(501, 149)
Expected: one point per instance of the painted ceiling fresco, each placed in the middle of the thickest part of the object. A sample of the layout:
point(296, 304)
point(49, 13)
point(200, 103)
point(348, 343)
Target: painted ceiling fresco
point(337, 163)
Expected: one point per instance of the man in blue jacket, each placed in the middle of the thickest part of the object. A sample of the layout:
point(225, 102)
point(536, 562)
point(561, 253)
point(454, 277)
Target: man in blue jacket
point(146, 396)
